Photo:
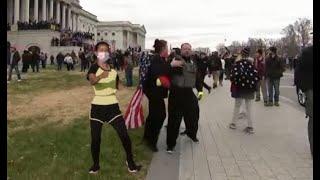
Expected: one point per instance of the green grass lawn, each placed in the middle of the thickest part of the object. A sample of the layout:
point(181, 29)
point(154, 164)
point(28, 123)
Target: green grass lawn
point(59, 152)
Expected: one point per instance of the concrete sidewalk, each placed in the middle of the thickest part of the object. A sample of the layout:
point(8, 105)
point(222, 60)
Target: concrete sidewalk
point(279, 149)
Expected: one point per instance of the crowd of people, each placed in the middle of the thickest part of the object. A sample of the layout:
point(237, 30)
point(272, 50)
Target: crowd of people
point(68, 38)
point(33, 25)
point(174, 76)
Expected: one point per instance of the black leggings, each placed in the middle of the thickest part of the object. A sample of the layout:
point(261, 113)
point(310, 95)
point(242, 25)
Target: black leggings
point(119, 126)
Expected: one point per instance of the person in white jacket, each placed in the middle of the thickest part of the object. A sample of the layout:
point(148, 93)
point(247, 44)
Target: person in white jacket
point(69, 61)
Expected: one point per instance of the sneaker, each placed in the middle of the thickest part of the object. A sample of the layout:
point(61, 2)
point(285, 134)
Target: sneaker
point(194, 139)
point(19, 80)
point(133, 168)
point(8, 82)
point(94, 169)
point(276, 104)
point(257, 99)
point(270, 104)
point(232, 126)
point(153, 148)
point(265, 103)
point(249, 130)
point(170, 150)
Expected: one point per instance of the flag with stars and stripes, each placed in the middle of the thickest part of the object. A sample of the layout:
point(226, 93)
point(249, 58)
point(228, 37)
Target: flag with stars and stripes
point(134, 115)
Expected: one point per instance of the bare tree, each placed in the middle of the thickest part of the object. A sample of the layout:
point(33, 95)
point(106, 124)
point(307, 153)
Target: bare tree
point(303, 27)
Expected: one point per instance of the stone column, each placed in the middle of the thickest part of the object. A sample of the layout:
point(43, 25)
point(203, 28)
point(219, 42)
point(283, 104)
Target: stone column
point(51, 10)
point(69, 18)
point(58, 12)
point(77, 22)
point(27, 8)
point(63, 16)
point(10, 11)
point(36, 10)
point(44, 10)
point(16, 11)
point(74, 21)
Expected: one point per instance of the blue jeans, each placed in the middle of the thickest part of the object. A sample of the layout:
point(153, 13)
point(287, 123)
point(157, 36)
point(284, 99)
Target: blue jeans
point(273, 89)
point(129, 78)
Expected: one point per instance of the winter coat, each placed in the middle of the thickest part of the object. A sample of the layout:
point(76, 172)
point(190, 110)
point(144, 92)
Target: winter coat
point(274, 67)
point(158, 67)
point(303, 75)
point(215, 63)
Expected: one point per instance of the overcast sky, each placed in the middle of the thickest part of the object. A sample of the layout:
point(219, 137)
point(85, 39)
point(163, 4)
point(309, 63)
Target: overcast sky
point(203, 23)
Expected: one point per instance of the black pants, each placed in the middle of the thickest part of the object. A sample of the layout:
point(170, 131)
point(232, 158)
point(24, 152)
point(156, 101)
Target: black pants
point(35, 65)
point(203, 84)
point(25, 67)
point(83, 67)
point(155, 119)
point(43, 63)
point(119, 126)
point(182, 104)
point(69, 66)
point(59, 66)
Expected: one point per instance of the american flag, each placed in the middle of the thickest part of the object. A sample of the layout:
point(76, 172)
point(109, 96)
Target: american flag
point(134, 115)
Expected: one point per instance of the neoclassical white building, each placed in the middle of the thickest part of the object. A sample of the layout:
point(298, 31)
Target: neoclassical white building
point(70, 15)
point(122, 34)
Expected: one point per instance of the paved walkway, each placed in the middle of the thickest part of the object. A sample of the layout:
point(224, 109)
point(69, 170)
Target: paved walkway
point(279, 149)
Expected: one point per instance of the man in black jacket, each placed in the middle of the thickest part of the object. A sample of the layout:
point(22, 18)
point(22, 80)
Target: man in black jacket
point(215, 68)
point(60, 59)
point(182, 101)
point(304, 80)
point(14, 60)
point(274, 71)
point(203, 66)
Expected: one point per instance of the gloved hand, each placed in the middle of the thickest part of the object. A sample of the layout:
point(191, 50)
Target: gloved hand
point(200, 95)
point(163, 81)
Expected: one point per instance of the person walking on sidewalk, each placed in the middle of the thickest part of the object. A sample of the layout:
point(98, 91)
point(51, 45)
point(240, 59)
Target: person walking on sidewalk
point(259, 64)
point(215, 68)
point(13, 64)
point(105, 108)
point(274, 71)
point(156, 89)
point(203, 68)
point(243, 79)
point(182, 102)
point(304, 81)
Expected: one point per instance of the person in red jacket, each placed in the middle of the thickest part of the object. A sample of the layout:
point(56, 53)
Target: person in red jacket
point(259, 64)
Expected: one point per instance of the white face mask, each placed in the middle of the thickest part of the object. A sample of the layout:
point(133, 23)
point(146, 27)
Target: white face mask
point(103, 56)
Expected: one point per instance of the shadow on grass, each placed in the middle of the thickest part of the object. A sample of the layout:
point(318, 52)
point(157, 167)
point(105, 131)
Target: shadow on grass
point(56, 152)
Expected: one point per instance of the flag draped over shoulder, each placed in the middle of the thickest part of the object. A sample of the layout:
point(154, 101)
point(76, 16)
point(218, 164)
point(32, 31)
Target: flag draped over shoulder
point(134, 115)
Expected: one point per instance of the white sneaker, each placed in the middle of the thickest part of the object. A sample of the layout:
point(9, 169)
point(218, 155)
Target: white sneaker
point(19, 80)
point(170, 151)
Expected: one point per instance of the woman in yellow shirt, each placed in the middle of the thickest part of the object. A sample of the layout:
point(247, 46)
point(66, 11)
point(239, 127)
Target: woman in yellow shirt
point(105, 107)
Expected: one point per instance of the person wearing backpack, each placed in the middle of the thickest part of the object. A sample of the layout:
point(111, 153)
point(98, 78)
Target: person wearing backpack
point(244, 79)
point(156, 89)
point(304, 81)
